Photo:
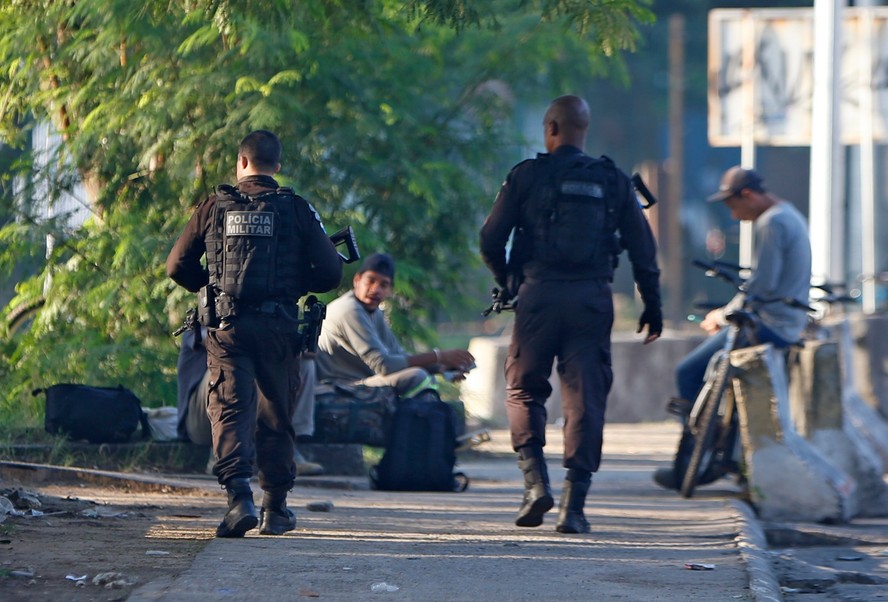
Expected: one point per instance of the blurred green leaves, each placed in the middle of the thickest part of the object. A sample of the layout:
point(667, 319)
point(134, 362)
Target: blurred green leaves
point(397, 117)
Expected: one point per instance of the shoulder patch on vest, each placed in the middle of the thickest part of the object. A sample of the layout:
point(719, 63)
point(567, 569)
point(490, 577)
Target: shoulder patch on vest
point(317, 216)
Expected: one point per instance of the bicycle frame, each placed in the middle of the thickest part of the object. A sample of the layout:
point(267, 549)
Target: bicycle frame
point(711, 420)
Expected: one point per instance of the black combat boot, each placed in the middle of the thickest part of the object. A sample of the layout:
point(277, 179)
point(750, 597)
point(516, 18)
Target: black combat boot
point(537, 495)
point(241, 515)
point(275, 518)
point(573, 497)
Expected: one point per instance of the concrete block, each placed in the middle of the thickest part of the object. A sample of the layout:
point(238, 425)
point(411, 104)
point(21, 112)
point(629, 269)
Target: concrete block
point(789, 479)
point(484, 390)
point(644, 375)
point(858, 413)
point(869, 359)
point(817, 413)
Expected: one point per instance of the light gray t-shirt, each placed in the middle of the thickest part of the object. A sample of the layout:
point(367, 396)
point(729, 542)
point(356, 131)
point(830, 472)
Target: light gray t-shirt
point(356, 343)
point(781, 269)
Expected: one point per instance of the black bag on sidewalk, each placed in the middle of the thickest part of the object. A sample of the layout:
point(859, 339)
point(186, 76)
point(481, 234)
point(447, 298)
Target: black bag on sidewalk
point(353, 414)
point(421, 449)
point(97, 414)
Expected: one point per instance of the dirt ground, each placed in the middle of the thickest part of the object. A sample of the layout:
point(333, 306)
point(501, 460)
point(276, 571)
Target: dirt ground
point(90, 542)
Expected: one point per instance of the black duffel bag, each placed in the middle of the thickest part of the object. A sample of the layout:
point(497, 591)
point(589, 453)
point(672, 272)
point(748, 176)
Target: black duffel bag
point(353, 413)
point(96, 414)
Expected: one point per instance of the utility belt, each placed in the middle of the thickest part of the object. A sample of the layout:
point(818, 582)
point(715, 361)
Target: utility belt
point(214, 311)
point(568, 278)
point(538, 272)
point(215, 308)
point(287, 310)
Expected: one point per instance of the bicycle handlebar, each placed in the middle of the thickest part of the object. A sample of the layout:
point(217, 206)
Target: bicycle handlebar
point(714, 271)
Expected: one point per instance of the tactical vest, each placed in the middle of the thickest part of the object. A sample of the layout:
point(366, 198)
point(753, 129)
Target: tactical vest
point(571, 216)
point(252, 248)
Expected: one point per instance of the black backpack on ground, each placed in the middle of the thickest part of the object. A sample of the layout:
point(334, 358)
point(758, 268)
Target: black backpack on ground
point(353, 414)
point(97, 414)
point(421, 449)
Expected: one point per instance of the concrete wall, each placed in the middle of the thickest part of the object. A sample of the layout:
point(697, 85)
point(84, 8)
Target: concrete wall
point(644, 375)
point(644, 378)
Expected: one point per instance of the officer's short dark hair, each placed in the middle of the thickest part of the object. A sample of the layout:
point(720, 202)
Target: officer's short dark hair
point(262, 148)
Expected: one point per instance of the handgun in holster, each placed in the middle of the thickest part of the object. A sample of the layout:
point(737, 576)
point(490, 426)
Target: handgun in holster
point(206, 307)
point(313, 314)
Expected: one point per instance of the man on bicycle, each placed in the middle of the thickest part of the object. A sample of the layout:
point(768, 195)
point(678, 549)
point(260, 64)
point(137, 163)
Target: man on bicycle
point(781, 269)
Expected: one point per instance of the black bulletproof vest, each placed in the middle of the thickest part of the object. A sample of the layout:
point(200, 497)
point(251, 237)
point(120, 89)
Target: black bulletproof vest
point(570, 216)
point(252, 251)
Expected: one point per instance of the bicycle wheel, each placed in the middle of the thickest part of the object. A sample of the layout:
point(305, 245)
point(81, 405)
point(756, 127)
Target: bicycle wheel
point(707, 426)
point(20, 317)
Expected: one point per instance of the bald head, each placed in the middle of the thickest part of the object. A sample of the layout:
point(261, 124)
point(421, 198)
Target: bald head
point(569, 112)
point(566, 122)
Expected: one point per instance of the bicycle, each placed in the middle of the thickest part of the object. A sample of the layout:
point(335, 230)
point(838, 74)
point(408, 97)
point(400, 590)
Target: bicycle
point(711, 419)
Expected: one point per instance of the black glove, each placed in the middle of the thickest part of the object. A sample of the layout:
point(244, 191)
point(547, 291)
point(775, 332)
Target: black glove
point(505, 295)
point(652, 317)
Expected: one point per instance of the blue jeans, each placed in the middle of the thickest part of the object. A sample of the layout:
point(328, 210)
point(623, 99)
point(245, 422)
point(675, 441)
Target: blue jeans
point(691, 371)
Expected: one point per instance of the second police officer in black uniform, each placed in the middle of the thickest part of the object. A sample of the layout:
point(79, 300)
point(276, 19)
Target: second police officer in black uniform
point(571, 216)
point(266, 247)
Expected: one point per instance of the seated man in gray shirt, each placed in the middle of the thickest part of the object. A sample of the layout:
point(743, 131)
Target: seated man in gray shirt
point(782, 270)
point(357, 345)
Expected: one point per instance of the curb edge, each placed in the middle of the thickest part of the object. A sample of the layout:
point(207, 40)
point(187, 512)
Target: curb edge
point(763, 583)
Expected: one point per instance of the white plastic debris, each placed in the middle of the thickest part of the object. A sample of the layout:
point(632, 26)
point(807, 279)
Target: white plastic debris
point(113, 580)
point(383, 587)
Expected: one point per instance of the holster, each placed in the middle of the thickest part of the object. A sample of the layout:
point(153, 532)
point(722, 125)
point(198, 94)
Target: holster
point(206, 307)
point(313, 316)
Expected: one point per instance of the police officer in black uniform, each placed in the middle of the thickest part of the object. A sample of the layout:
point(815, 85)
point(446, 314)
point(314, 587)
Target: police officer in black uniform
point(265, 248)
point(571, 216)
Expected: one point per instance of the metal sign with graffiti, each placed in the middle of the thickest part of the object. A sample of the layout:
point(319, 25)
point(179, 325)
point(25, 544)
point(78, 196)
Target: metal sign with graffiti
point(761, 64)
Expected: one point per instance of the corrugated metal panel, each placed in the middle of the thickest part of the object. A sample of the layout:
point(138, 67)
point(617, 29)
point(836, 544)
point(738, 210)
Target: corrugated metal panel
point(73, 204)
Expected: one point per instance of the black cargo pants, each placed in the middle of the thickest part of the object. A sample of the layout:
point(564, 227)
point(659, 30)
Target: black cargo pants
point(254, 374)
point(569, 321)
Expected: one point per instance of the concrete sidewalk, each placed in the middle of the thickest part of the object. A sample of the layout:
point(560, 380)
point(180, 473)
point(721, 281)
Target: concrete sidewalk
point(464, 546)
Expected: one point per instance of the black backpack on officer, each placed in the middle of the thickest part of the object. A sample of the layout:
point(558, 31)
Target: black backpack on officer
point(252, 252)
point(420, 452)
point(574, 213)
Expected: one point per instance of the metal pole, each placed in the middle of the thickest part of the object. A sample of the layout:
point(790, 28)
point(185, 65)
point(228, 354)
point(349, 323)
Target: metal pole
point(867, 163)
point(867, 174)
point(747, 142)
point(674, 254)
point(826, 218)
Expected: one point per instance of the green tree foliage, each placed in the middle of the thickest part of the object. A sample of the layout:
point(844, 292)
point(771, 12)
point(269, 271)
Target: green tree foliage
point(395, 117)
